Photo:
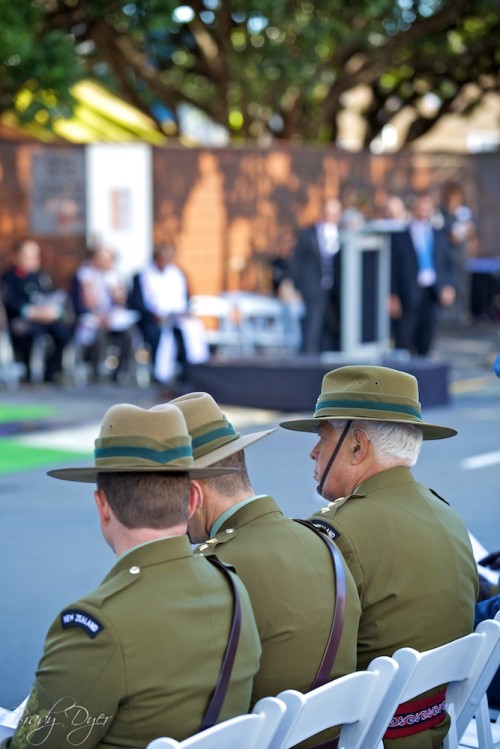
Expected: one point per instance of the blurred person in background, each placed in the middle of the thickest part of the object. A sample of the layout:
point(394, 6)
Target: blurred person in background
point(160, 294)
point(34, 308)
point(422, 277)
point(461, 230)
point(99, 297)
point(315, 270)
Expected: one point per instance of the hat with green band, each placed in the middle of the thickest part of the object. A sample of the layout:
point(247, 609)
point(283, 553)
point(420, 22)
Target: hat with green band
point(214, 437)
point(136, 440)
point(369, 393)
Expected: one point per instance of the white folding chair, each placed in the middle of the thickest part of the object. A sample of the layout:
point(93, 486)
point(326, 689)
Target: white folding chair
point(466, 665)
point(252, 731)
point(263, 324)
point(218, 316)
point(11, 371)
point(481, 731)
point(350, 701)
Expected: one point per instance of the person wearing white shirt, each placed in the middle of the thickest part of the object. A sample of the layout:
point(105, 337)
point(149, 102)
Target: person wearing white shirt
point(160, 293)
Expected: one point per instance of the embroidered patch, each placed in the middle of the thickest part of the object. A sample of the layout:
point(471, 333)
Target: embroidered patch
point(77, 618)
point(332, 532)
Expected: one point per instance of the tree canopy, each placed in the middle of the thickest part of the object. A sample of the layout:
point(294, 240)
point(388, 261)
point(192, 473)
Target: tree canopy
point(263, 70)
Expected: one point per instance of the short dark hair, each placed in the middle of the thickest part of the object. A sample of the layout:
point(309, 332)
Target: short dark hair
point(147, 500)
point(229, 483)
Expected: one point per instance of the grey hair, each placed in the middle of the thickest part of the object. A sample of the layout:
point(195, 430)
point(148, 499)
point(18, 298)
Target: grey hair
point(393, 444)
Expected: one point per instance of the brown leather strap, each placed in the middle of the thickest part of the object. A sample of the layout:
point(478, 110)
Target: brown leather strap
point(323, 674)
point(219, 693)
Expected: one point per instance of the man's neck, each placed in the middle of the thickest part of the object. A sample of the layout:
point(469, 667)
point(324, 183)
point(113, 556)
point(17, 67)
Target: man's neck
point(128, 538)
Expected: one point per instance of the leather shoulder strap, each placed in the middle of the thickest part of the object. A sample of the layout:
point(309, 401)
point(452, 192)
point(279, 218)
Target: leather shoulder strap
point(217, 699)
point(332, 645)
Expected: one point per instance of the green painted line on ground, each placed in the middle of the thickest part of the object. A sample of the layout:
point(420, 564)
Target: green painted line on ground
point(9, 413)
point(16, 457)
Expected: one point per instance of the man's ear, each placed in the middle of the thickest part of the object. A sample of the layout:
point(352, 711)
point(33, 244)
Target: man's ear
point(360, 445)
point(103, 507)
point(195, 497)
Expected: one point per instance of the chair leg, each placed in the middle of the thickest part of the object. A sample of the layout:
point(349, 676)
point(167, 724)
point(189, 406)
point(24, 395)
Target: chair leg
point(483, 725)
point(451, 739)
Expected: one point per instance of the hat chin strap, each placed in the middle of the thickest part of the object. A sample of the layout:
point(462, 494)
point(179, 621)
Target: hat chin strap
point(319, 488)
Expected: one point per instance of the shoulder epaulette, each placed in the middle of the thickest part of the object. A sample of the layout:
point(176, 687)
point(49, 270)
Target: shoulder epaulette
point(114, 585)
point(332, 507)
point(211, 544)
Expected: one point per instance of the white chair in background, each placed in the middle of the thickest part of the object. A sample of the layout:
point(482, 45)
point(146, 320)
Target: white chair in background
point(263, 324)
point(466, 665)
point(350, 701)
point(218, 315)
point(11, 371)
point(252, 731)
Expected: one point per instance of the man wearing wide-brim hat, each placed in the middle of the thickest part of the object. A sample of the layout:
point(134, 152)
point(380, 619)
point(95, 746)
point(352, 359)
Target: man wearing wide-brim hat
point(140, 657)
point(408, 550)
point(286, 568)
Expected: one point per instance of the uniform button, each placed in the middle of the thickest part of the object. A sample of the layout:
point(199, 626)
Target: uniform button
point(229, 530)
point(203, 547)
point(134, 570)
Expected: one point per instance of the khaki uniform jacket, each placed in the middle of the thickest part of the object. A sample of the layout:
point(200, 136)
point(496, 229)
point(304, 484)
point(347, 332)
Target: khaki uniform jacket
point(140, 656)
point(412, 561)
point(288, 572)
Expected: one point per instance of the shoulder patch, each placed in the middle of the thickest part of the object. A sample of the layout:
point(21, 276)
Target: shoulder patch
point(83, 620)
point(322, 525)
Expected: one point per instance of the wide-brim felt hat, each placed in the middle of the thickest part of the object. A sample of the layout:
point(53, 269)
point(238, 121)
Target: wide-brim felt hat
point(214, 437)
point(137, 440)
point(369, 393)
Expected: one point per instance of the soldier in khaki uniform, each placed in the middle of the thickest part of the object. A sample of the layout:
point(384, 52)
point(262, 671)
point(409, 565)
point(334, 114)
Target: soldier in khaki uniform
point(286, 568)
point(408, 551)
point(140, 656)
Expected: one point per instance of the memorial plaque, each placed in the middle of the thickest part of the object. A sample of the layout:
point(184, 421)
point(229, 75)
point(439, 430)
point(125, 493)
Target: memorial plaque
point(58, 192)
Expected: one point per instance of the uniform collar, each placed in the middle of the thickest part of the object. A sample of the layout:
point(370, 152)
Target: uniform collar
point(384, 479)
point(222, 519)
point(140, 546)
point(154, 552)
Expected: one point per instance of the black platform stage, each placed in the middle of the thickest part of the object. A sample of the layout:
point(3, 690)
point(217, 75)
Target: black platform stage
point(293, 385)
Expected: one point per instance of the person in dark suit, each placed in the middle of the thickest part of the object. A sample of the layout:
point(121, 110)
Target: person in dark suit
point(315, 270)
point(422, 278)
point(35, 308)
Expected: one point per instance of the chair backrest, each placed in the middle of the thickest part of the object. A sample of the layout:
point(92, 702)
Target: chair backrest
point(262, 322)
point(350, 701)
point(465, 665)
point(218, 308)
point(219, 317)
point(466, 696)
point(253, 731)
